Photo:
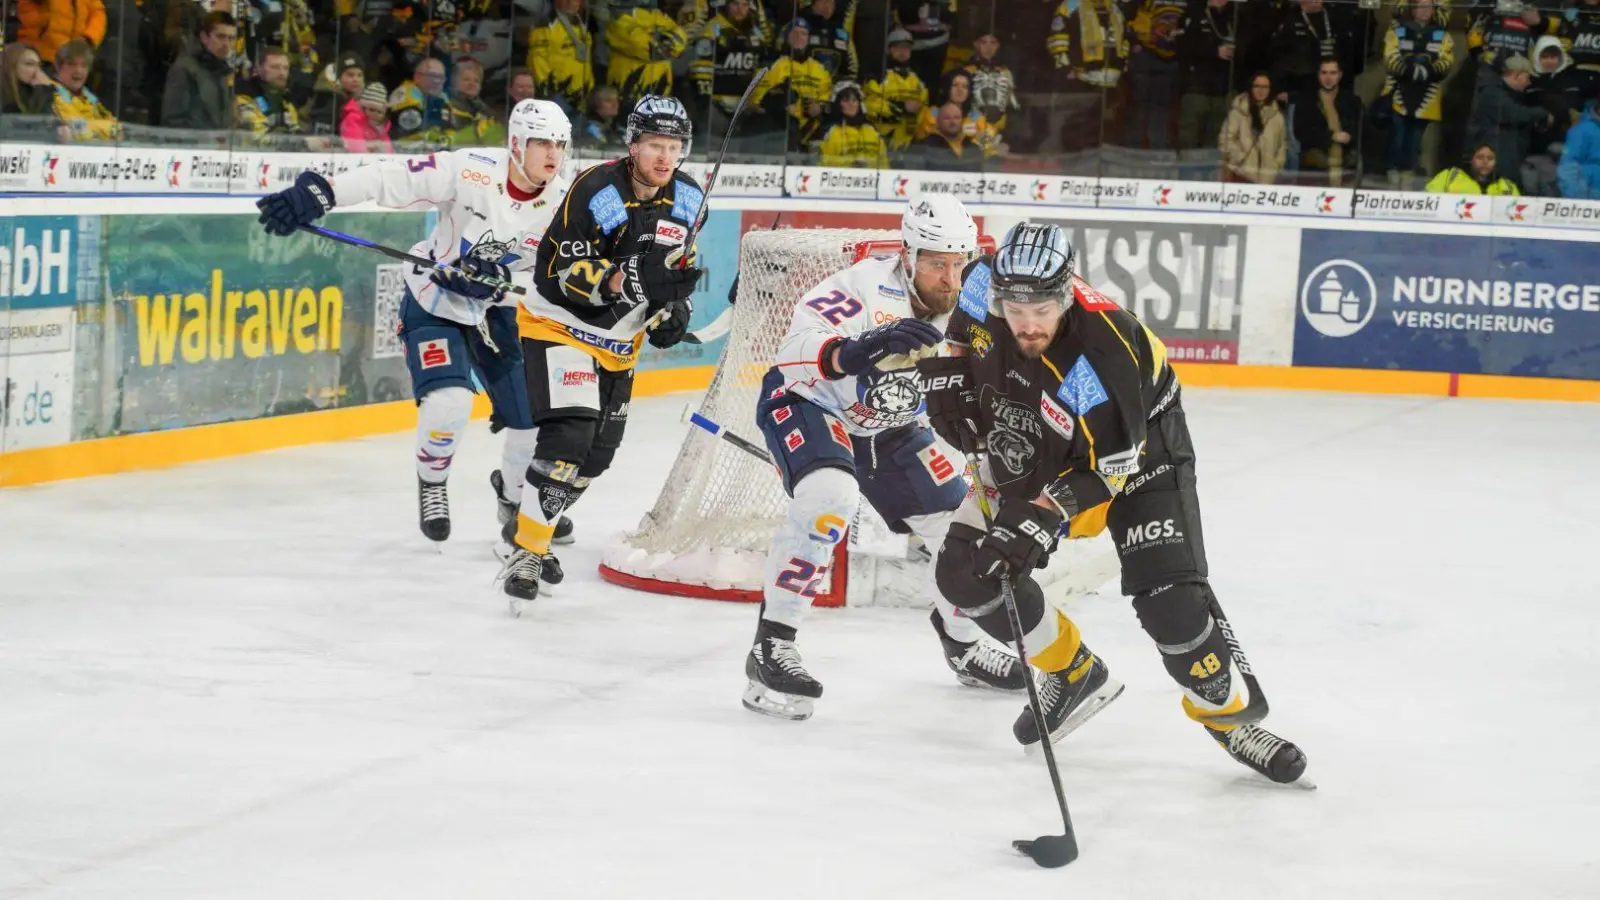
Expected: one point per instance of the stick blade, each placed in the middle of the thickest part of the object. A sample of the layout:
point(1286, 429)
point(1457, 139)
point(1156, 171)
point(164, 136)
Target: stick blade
point(1051, 851)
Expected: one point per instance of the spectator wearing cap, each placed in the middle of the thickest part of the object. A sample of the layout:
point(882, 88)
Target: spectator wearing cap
point(1579, 171)
point(420, 108)
point(46, 25)
point(364, 125)
point(848, 139)
point(560, 56)
point(797, 85)
point(644, 41)
point(1502, 120)
point(1557, 87)
point(994, 88)
point(86, 118)
point(341, 83)
point(895, 101)
point(262, 105)
point(199, 91)
point(1481, 176)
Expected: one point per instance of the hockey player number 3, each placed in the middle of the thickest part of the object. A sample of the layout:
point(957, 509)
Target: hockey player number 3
point(836, 307)
point(802, 578)
point(417, 165)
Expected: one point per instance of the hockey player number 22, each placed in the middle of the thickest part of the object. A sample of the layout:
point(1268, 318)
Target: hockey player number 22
point(802, 577)
point(836, 307)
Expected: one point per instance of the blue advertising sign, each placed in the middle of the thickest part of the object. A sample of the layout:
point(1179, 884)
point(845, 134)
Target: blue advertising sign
point(38, 261)
point(1438, 303)
point(718, 254)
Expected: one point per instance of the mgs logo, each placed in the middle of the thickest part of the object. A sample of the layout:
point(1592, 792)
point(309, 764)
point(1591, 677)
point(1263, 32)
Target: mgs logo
point(1338, 298)
point(1156, 531)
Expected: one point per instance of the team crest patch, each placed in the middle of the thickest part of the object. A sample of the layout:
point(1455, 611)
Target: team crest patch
point(608, 209)
point(980, 340)
point(1081, 390)
point(975, 293)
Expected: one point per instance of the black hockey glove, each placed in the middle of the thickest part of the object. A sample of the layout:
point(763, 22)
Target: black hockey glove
point(666, 278)
point(284, 212)
point(860, 354)
point(672, 327)
point(952, 400)
point(1020, 538)
point(460, 279)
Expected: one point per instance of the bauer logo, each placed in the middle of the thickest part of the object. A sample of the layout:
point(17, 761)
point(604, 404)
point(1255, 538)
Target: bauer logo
point(1338, 298)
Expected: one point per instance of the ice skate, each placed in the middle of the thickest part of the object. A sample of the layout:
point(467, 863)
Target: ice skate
point(433, 510)
point(779, 685)
point(1269, 755)
point(1068, 704)
point(507, 513)
point(521, 578)
point(981, 663)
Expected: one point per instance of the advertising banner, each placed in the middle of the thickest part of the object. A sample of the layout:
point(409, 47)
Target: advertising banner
point(217, 321)
point(35, 400)
point(1182, 280)
point(38, 261)
point(1448, 303)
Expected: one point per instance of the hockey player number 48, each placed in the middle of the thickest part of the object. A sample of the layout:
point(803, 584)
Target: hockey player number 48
point(835, 307)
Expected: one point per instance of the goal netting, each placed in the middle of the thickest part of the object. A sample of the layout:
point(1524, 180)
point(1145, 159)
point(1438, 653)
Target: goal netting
point(708, 533)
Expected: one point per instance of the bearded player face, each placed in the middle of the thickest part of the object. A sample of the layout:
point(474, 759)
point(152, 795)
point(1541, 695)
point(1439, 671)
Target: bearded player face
point(937, 278)
point(1034, 325)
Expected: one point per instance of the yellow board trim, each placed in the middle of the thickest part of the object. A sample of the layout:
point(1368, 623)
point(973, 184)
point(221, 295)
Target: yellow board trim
point(158, 449)
point(1383, 381)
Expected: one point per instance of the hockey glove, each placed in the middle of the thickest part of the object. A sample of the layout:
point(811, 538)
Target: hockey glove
point(462, 280)
point(282, 213)
point(671, 329)
point(1020, 538)
point(952, 402)
point(860, 354)
point(667, 278)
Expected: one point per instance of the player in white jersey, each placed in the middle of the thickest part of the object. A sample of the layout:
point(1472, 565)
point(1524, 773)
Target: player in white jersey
point(494, 206)
point(840, 412)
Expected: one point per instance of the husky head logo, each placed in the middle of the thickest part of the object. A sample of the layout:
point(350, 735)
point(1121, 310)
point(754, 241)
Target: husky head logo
point(490, 250)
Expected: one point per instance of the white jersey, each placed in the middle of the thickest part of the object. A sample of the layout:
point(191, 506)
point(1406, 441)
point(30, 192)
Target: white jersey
point(871, 293)
point(478, 216)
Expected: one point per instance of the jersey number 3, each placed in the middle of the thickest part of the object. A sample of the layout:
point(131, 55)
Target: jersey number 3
point(836, 307)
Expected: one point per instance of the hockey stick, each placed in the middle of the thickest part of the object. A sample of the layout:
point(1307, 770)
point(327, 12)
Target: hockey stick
point(402, 255)
point(719, 431)
point(1051, 850)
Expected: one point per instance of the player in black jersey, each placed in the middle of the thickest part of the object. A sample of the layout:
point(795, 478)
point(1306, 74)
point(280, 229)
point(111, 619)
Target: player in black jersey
point(614, 265)
point(1077, 413)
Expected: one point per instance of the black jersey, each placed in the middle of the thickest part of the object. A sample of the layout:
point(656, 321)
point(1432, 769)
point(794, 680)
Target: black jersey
point(599, 224)
point(1072, 422)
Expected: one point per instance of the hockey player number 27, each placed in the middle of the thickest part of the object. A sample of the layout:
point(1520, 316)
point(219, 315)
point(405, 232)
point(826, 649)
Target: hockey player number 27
point(802, 578)
point(836, 307)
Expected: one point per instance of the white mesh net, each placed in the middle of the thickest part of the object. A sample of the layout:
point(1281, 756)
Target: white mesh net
point(720, 505)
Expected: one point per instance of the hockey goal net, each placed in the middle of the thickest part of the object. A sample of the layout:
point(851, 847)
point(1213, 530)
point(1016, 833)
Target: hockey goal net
point(708, 533)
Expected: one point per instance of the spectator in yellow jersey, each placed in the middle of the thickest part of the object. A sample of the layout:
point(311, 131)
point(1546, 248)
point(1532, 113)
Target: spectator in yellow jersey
point(895, 101)
point(732, 46)
point(419, 108)
point(849, 140)
point(1480, 177)
point(1089, 42)
point(86, 118)
point(644, 41)
point(1418, 53)
point(832, 23)
point(262, 105)
point(947, 149)
point(476, 123)
point(561, 57)
point(797, 85)
point(958, 91)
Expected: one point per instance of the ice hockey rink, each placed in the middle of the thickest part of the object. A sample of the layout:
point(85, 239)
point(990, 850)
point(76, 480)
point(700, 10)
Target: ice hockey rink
point(251, 679)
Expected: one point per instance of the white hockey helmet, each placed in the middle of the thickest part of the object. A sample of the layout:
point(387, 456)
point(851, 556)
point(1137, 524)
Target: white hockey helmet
point(938, 223)
point(533, 120)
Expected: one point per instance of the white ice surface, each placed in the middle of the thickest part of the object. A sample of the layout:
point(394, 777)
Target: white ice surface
point(250, 679)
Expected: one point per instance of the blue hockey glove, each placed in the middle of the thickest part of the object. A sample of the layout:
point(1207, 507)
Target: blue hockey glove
point(858, 355)
point(282, 213)
point(457, 280)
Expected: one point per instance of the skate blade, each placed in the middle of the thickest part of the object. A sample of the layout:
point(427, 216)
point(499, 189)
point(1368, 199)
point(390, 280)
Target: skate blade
point(1086, 710)
point(758, 698)
point(518, 605)
point(562, 541)
point(971, 682)
point(502, 551)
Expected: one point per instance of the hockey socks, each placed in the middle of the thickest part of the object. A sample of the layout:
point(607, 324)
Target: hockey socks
point(551, 488)
point(441, 418)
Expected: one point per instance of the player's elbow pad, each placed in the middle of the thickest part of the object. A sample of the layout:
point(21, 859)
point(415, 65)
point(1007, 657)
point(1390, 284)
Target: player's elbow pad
point(1075, 492)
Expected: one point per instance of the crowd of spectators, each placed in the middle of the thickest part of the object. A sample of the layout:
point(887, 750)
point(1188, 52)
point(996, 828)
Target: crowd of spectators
point(1462, 97)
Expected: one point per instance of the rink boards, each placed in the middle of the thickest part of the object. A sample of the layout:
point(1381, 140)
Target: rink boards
point(139, 331)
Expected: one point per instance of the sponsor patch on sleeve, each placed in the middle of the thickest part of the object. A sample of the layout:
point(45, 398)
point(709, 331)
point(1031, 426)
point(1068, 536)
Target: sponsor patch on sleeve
point(1056, 417)
point(793, 440)
point(975, 293)
point(670, 234)
point(608, 209)
point(1092, 299)
point(686, 201)
point(433, 354)
point(1081, 390)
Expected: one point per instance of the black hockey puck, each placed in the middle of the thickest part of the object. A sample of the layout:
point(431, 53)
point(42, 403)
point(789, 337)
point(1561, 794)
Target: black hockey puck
point(1051, 851)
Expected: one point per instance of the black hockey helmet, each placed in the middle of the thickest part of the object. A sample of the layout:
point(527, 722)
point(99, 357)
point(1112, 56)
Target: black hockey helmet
point(665, 116)
point(1034, 264)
